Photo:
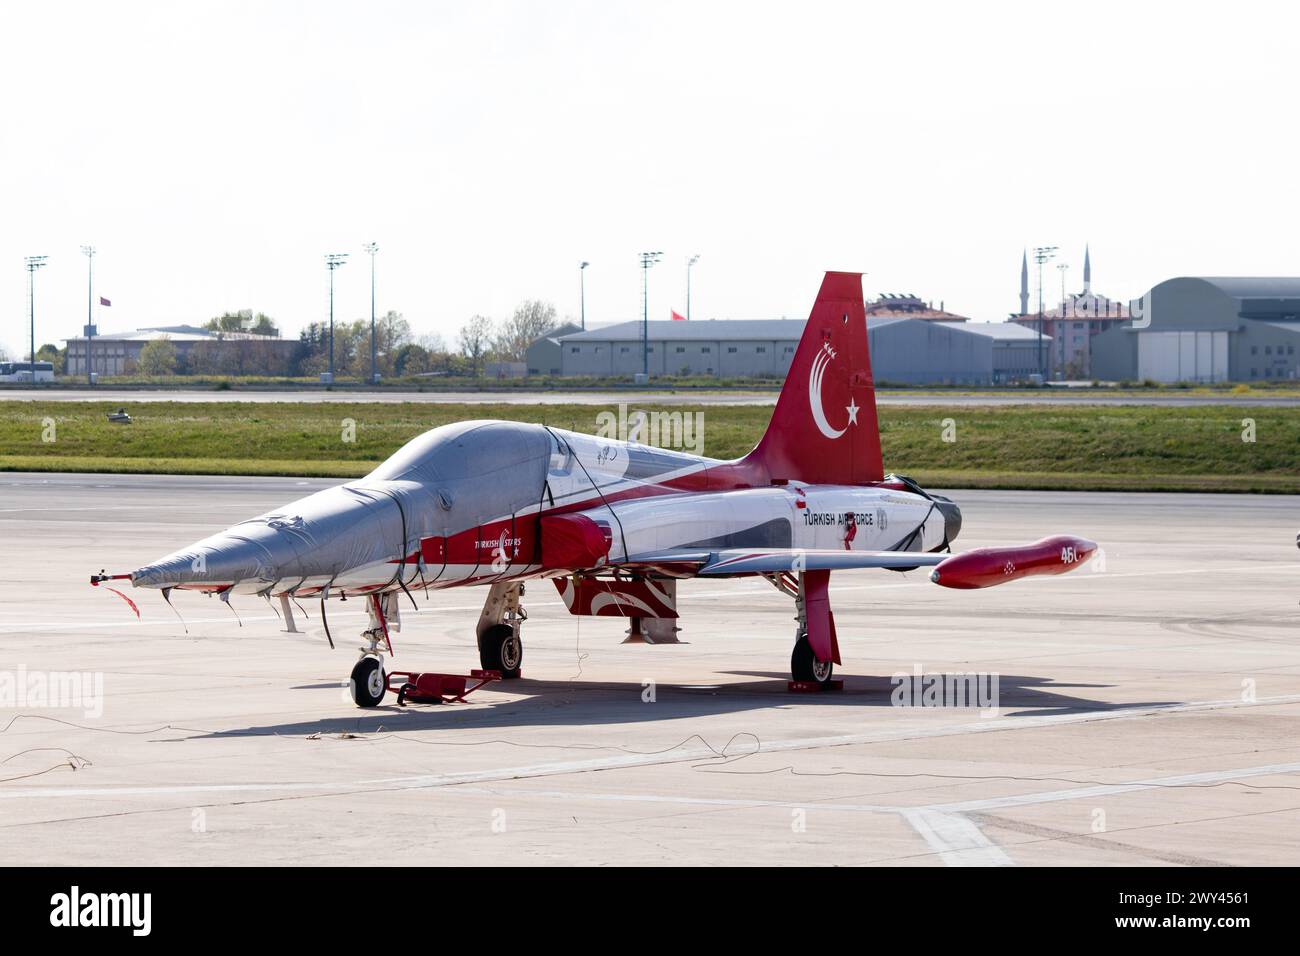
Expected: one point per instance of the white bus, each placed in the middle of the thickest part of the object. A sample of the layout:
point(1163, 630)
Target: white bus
point(22, 371)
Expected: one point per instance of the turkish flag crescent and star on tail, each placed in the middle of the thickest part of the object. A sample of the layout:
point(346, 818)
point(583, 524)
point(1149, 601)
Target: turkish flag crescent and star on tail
point(677, 316)
point(824, 428)
point(103, 301)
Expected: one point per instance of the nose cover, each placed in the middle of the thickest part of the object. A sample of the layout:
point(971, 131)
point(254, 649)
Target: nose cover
point(318, 536)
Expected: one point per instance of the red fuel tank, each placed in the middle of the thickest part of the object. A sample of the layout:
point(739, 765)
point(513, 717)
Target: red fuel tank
point(985, 567)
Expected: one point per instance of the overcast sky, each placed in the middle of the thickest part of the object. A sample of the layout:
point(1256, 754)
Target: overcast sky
point(214, 152)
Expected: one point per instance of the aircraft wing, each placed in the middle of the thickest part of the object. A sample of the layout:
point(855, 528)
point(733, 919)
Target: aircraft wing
point(731, 561)
point(978, 568)
point(744, 561)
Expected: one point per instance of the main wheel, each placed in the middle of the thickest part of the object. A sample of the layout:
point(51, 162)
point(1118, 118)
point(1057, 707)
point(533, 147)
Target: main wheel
point(805, 666)
point(368, 682)
point(500, 649)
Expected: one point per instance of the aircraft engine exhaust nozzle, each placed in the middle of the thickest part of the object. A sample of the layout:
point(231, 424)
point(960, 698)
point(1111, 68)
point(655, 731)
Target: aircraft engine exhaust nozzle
point(986, 567)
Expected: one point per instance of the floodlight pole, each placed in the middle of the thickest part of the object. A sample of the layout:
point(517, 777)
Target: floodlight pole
point(1062, 267)
point(89, 252)
point(33, 263)
point(582, 293)
point(648, 259)
point(372, 248)
point(689, 262)
point(332, 262)
point(1042, 254)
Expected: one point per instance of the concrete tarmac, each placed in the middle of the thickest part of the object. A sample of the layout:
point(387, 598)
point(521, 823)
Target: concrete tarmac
point(1146, 712)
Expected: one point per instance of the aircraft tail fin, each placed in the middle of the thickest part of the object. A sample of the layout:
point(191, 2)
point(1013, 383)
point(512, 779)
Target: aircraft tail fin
point(824, 429)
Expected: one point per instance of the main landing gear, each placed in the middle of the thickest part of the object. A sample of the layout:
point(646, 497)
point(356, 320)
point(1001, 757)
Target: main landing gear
point(804, 665)
point(809, 670)
point(500, 645)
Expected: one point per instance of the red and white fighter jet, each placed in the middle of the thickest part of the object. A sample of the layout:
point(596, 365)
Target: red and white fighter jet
point(616, 524)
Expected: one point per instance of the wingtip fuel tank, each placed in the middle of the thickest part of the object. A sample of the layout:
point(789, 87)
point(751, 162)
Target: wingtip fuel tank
point(987, 567)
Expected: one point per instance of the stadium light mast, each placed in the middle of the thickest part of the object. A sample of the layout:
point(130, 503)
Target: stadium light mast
point(372, 248)
point(1062, 268)
point(689, 262)
point(648, 259)
point(33, 263)
point(89, 252)
point(582, 293)
point(332, 262)
point(1042, 254)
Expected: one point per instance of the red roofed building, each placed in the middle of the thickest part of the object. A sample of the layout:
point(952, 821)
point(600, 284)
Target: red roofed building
point(910, 307)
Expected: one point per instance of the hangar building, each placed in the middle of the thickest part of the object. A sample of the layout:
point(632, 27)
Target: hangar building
point(903, 350)
point(911, 352)
point(543, 356)
point(1206, 330)
point(118, 353)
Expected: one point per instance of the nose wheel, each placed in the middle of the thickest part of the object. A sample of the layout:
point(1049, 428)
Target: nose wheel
point(368, 682)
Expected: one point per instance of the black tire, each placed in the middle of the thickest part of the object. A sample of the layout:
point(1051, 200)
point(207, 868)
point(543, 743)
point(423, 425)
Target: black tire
point(368, 682)
point(500, 649)
point(804, 665)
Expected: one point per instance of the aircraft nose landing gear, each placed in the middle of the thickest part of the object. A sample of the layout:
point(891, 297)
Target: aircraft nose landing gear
point(500, 648)
point(368, 682)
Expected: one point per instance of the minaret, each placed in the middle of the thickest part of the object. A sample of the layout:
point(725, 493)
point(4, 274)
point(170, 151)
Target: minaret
point(1024, 283)
point(1087, 271)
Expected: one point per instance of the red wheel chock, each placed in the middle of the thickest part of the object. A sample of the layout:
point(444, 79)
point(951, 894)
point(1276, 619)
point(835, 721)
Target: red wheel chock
point(425, 688)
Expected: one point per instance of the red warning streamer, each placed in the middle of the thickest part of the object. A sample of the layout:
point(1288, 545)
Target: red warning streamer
point(96, 579)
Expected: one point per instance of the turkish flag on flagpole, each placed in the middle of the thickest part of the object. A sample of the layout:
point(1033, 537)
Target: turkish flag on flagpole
point(677, 317)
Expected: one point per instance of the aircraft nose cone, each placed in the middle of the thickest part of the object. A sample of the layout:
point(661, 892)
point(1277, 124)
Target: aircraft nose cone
point(348, 526)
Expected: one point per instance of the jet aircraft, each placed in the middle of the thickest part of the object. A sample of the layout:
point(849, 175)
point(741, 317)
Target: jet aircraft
point(614, 525)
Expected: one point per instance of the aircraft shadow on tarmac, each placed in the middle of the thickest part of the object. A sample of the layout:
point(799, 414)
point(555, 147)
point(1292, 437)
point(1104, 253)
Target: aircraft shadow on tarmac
point(592, 703)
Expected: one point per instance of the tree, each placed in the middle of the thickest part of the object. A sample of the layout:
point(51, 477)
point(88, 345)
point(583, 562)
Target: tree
point(204, 358)
point(157, 358)
point(53, 355)
point(263, 325)
point(351, 348)
point(475, 339)
point(392, 334)
point(315, 345)
point(243, 321)
point(412, 359)
point(433, 343)
point(532, 320)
